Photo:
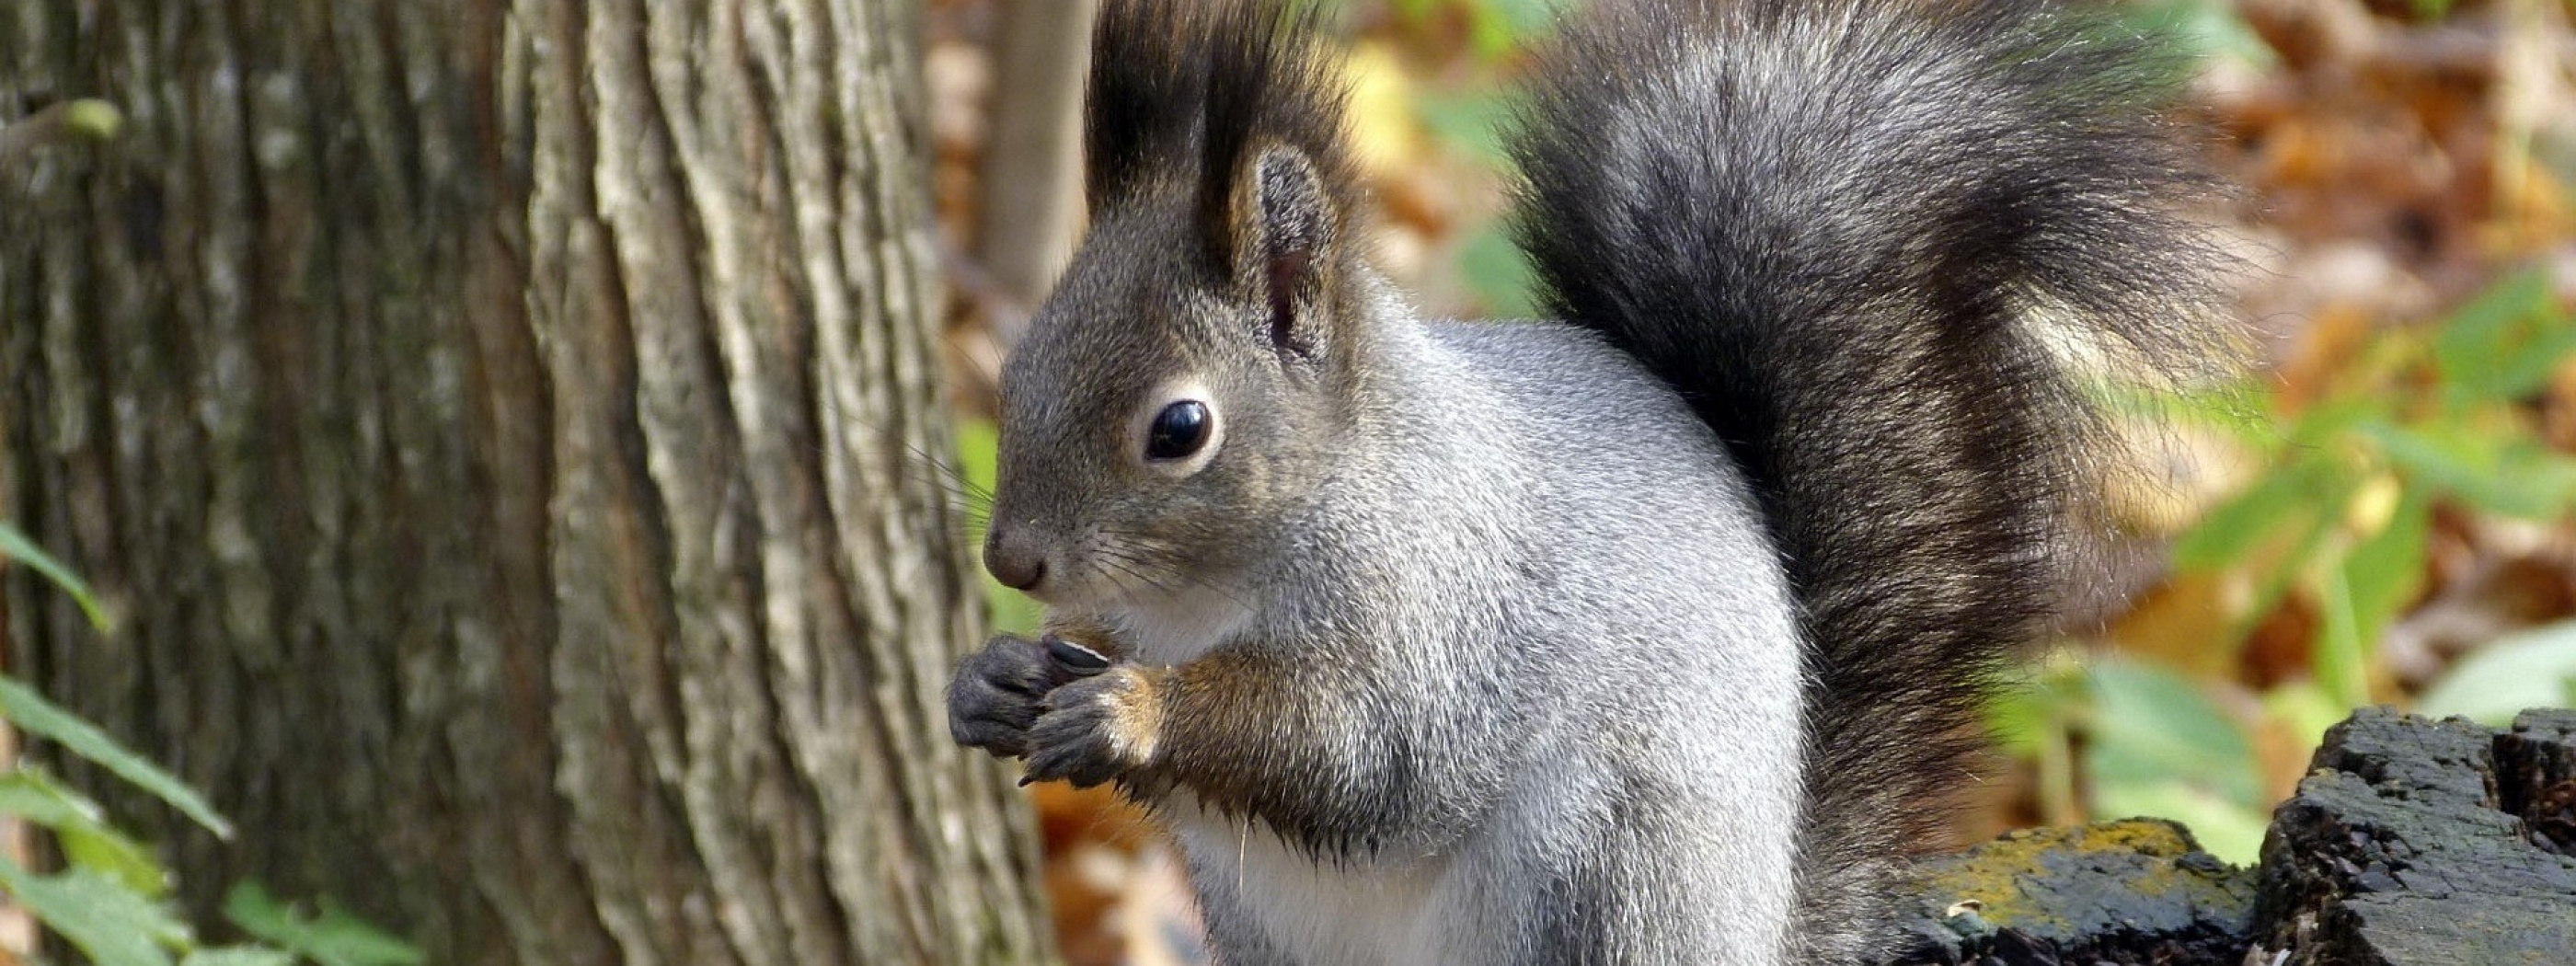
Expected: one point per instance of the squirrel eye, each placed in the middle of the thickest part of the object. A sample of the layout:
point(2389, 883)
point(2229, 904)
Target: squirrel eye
point(1178, 431)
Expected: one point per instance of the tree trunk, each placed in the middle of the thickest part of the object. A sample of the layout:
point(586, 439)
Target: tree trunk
point(499, 427)
point(1030, 217)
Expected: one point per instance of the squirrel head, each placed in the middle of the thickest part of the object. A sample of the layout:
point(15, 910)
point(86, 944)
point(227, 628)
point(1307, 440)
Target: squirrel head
point(1195, 373)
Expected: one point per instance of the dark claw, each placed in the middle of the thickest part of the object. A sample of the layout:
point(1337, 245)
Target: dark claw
point(1002, 740)
point(1080, 767)
point(1074, 659)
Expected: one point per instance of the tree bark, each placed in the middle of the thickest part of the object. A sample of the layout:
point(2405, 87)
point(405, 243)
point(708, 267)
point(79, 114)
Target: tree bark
point(1030, 216)
point(499, 429)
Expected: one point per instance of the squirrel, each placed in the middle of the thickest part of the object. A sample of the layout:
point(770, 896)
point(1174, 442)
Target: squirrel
point(1651, 633)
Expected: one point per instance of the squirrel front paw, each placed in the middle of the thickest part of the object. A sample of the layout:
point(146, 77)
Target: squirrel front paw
point(1099, 728)
point(997, 695)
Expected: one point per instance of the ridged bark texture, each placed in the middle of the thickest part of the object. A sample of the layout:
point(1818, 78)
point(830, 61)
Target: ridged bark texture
point(500, 429)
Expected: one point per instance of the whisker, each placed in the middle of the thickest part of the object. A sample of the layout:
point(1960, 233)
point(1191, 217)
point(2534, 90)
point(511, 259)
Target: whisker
point(1128, 552)
point(1118, 575)
point(946, 471)
point(1142, 569)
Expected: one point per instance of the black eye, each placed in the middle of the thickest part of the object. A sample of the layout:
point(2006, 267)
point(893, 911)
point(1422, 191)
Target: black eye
point(1178, 431)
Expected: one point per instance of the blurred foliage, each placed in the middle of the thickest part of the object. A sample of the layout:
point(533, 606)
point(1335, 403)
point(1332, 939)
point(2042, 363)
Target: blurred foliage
point(111, 901)
point(1494, 27)
point(14, 546)
point(2338, 509)
point(2534, 669)
point(1008, 611)
point(330, 937)
point(2347, 487)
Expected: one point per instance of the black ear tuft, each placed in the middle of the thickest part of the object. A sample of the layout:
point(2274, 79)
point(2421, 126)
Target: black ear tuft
point(1272, 83)
point(1181, 91)
point(1147, 82)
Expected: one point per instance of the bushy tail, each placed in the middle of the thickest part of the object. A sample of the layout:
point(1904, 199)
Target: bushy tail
point(1862, 238)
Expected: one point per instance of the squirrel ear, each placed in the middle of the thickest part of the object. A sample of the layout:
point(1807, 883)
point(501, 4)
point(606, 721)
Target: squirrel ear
point(1283, 225)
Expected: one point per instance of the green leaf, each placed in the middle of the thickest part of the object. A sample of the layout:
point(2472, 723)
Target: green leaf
point(2239, 410)
point(2384, 572)
point(2324, 430)
point(111, 853)
point(2018, 717)
point(332, 938)
point(2297, 496)
point(2501, 472)
point(2479, 341)
point(2233, 529)
point(14, 545)
point(2161, 747)
point(2149, 724)
point(2526, 371)
point(2387, 569)
point(2293, 509)
point(37, 716)
point(30, 795)
point(238, 956)
point(113, 925)
point(2342, 658)
point(2162, 713)
point(2532, 669)
point(2482, 328)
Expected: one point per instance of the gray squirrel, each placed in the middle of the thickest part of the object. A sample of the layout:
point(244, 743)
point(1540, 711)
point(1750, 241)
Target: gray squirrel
point(1653, 634)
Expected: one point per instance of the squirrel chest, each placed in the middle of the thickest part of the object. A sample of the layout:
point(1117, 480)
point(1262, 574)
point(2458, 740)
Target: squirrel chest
point(1361, 913)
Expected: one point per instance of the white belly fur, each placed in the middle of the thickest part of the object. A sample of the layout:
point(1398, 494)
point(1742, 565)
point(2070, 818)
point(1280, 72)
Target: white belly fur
point(1363, 912)
point(1177, 628)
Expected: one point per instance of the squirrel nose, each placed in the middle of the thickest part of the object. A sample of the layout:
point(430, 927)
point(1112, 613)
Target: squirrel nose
point(1013, 560)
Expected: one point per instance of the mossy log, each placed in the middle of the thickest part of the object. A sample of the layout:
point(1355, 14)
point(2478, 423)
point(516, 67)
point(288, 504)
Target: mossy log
point(2412, 842)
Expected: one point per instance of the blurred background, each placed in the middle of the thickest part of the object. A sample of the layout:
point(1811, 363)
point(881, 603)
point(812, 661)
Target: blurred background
point(2376, 514)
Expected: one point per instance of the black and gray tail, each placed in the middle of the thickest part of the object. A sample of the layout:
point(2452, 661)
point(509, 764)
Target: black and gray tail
point(1861, 237)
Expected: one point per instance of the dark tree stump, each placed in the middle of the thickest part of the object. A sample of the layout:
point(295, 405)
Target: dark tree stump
point(2424, 843)
point(2412, 842)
